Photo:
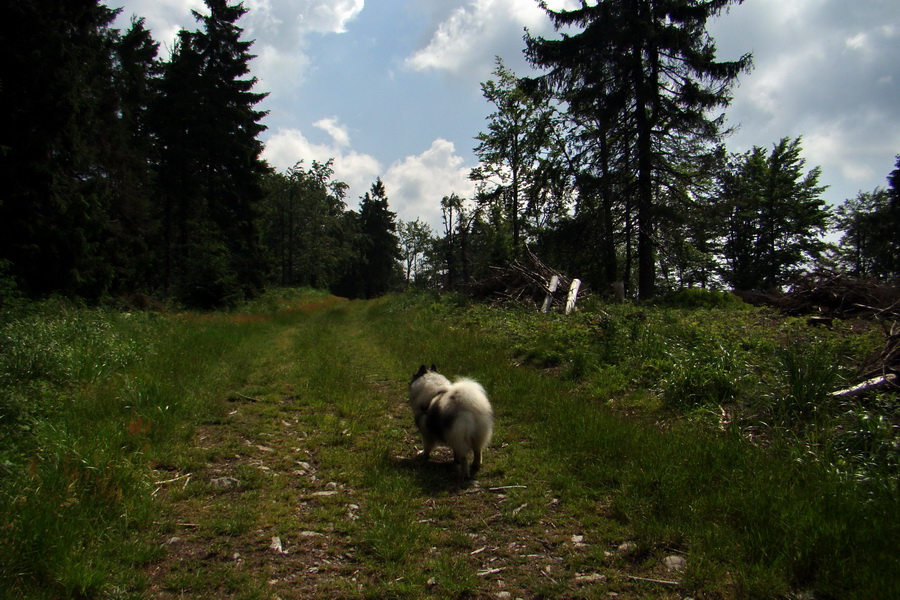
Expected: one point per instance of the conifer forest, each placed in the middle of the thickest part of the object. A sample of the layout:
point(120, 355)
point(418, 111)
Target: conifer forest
point(125, 173)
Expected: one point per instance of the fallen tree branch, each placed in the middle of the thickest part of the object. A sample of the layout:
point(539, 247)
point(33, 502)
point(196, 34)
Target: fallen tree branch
point(876, 383)
point(174, 479)
point(659, 581)
point(496, 489)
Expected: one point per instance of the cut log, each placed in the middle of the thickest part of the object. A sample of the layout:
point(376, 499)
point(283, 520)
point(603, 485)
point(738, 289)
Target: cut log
point(870, 385)
point(548, 301)
point(527, 281)
point(573, 295)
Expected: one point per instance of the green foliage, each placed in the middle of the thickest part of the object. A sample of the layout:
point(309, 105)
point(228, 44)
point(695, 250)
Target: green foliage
point(125, 172)
point(869, 222)
point(209, 279)
point(808, 374)
point(305, 228)
point(211, 173)
point(701, 298)
point(56, 343)
point(703, 379)
point(9, 290)
point(122, 173)
point(86, 395)
point(642, 86)
point(321, 381)
point(415, 239)
point(772, 523)
point(375, 270)
point(513, 154)
point(316, 242)
point(775, 216)
point(60, 146)
point(64, 482)
point(865, 449)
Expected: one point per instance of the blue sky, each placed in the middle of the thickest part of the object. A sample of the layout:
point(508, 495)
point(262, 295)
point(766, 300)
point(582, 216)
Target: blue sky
point(390, 88)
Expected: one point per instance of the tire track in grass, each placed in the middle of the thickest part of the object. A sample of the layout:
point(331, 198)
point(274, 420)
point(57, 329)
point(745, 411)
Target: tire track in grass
point(427, 533)
point(255, 517)
point(306, 488)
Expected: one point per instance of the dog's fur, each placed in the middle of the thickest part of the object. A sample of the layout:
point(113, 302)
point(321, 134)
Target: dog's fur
point(456, 414)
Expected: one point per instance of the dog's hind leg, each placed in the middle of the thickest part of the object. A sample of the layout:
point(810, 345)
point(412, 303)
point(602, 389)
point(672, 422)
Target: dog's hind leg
point(429, 444)
point(462, 459)
point(476, 462)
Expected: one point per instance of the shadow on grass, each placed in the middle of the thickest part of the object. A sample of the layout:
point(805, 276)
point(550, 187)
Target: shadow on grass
point(434, 476)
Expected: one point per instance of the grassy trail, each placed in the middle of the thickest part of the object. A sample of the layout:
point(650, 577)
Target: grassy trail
point(306, 487)
point(270, 454)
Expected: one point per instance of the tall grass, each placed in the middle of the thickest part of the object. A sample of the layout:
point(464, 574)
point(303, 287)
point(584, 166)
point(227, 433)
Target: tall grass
point(746, 512)
point(89, 398)
point(809, 374)
point(605, 412)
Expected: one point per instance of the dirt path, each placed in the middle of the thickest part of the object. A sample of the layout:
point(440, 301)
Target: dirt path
point(305, 488)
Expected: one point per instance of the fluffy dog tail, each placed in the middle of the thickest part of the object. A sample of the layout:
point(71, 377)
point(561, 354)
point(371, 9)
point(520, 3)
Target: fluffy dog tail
point(469, 397)
point(474, 424)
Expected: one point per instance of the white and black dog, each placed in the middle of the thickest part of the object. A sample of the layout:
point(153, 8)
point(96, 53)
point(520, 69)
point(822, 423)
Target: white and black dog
point(456, 414)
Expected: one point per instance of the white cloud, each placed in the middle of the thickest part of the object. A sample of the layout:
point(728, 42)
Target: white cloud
point(278, 27)
point(165, 18)
point(281, 28)
point(278, 71)
point(280, 19)
point(416, 184)
point(272, 19)
point(850, 146)
point(332, 127)
point(824, 72)
point(857, 42)
point(333, 15)
point(454, 43)
point(288, 146)
point(467, 41)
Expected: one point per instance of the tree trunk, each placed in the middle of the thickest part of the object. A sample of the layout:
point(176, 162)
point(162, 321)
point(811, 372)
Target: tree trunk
point(608, 242)
point(645, 250)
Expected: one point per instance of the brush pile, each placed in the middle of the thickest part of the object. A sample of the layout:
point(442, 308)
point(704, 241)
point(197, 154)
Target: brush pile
point(882, 371)
point(525, 280)
point(833, 296)
point(838, 296)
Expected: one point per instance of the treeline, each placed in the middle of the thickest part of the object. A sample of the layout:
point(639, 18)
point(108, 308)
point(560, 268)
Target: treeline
point(611, 165)
point(123, 172)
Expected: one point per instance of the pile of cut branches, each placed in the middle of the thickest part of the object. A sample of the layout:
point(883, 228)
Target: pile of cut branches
point(839, 296)
point(834, 296)
point(882, 371)
point(889, 359)
point(525, 280)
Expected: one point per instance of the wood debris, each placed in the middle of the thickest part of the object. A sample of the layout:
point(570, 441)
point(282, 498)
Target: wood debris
point(525, 280)
point(832, 296)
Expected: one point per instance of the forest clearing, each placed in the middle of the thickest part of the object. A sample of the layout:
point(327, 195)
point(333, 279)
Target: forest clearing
point(185, 412)
point(268, 452)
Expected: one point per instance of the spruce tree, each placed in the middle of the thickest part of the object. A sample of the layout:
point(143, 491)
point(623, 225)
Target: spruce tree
point(893, 220)
point(643, 74)
point(380, 243)
point(211, 173)
point(133, 247)
point(57, 108)
point(776, 216)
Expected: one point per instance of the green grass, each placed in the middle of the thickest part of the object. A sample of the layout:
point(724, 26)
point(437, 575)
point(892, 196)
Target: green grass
point(115, 429)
